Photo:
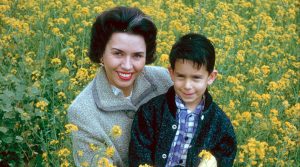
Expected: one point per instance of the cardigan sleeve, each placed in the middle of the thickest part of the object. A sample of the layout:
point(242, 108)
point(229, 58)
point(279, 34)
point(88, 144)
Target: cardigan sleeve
point(142, 143)
point(226, 149)
point(85, 143)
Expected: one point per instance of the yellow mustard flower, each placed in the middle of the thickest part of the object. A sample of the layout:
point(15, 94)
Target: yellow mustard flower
point(109, 152)
point(71, 127)
point(204, 154)
point(64, 152)
point(116, 131)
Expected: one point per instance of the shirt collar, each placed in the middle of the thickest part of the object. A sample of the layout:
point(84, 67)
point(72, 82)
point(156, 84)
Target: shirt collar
point(116, 91)
point(181, 106)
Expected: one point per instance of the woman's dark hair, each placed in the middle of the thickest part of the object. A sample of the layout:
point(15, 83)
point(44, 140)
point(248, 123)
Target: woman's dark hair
point(194, 47)
point(122, 19)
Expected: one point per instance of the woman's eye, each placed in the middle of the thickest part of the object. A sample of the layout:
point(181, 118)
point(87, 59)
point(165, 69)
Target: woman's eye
point(138, 56)
point(117, 53)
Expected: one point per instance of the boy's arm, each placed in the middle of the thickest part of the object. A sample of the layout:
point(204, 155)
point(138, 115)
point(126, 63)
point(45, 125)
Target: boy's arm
point(226, 150)
point(142, 143)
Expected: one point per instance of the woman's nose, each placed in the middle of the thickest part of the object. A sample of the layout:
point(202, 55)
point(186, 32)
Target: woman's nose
point(126, 63)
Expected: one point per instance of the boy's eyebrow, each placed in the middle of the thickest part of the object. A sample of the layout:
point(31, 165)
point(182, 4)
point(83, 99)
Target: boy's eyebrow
point(195, 75)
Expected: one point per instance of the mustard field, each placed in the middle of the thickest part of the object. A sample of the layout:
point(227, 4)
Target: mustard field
point(43, 66)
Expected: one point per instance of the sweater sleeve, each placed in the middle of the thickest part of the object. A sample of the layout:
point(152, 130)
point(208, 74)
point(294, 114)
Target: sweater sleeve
point(226, 149)
point(142, 143)
point(85, 143)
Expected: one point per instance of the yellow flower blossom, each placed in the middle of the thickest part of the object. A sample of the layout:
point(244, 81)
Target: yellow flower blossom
point(109, 152)
point(71, 128)
point(116, 131)
point(80, 153)
point(65, 163)
point(204, 154)
point(53, 142)
point(64, 71)
point(164, 58)
point(64, 152)
point(85, 164)
point(104, 162)
point(41, 105)
point(93, 147)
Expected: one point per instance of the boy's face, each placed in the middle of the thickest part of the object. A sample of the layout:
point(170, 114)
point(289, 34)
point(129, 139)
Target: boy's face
point(190, 82)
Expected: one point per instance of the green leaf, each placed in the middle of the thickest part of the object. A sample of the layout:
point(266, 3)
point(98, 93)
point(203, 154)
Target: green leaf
point(7, 108)
point(7, 97)
point(19, 110)
point(19, 139)
point(9, 115)
point(3, 129)
point(7, 140)
point(20, 91)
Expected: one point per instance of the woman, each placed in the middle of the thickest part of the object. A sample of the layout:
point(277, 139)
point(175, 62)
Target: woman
point(123, 40)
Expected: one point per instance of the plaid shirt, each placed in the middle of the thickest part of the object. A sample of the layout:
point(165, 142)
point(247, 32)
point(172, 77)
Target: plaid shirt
point(188, 122)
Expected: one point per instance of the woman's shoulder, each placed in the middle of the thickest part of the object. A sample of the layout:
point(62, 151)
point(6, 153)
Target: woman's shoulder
point(156, 72)
point(83, 99)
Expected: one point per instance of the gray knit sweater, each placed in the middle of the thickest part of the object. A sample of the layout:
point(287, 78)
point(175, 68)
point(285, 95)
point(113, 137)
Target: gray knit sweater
point(96, 110)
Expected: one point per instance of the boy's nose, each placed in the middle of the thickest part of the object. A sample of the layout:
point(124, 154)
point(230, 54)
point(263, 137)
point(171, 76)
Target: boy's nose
point(187, 84)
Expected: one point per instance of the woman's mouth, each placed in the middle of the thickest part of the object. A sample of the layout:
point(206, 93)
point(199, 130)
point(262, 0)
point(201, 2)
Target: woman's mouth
point(125, 76)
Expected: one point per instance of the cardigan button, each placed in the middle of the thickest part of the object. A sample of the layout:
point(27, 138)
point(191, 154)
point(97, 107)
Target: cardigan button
point(202, 117)
point(164, 156)
point(174, 126)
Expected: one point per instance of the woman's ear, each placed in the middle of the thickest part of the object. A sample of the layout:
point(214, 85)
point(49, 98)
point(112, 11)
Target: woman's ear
point(212, 76)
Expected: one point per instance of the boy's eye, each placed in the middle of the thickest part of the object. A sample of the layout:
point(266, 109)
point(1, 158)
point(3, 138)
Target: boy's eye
point(197, 77)
point(180, 76)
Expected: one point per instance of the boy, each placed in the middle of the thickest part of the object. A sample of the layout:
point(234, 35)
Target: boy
point(173, 128)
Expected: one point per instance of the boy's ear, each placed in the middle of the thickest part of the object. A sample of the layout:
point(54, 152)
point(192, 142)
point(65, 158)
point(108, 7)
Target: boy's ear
point(171, 71)
point(212, 77)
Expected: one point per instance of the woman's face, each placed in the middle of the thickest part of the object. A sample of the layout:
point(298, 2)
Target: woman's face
point(124, 58)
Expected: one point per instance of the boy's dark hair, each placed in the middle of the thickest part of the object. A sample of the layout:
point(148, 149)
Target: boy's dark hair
point(194, 47)
point(122, 19)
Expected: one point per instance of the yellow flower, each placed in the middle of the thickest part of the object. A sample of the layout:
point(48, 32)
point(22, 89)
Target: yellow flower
point(116, 131)
point(41, 104)
point(64, 152)
point(61, 95)
point(164, 58)
point(145, 165)
point(45, 156)
point(82, 74)
point(109, 151)
point(53, 142)
point(56, 31)
point(205, 155)
point(64, 71)
point(71, 128)
point(65, 164)
point(93, 147)
point(56, 61)
point(35, 75)
point(80, 153)
point(104, 162)
point(85, 164)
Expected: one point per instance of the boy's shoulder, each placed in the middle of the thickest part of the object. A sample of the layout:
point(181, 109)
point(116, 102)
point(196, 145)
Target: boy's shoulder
point(220, 115)
point(156, 101)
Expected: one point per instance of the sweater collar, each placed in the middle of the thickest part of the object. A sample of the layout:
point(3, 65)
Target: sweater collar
point(106, 100)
